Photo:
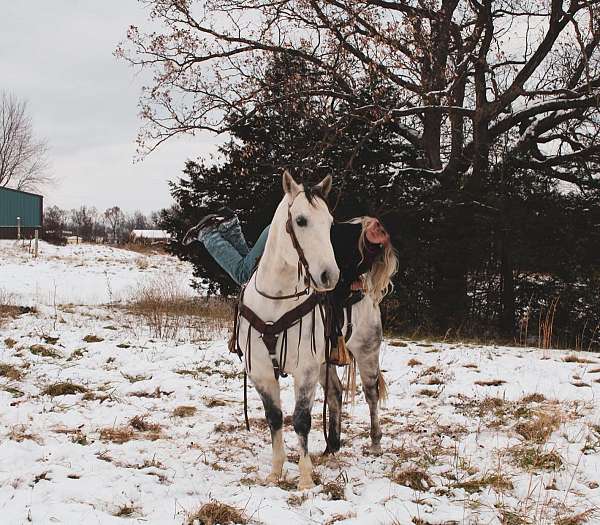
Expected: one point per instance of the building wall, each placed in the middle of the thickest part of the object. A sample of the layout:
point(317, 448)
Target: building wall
point(28, 206)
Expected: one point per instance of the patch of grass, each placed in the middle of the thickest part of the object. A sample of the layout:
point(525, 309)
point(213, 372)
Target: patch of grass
point(91, 338)
point(184, 411)
point(470, 365)
point(217, 513)
point(136, 378)
point(118, 435)
point(413, 478)
point(125, 511)
point(140, 424)
point(534, 458)
point(43, 351)
point(336, 489)
point(413, 362)
point(10, 342)
point(214, 402)
point(15, 392)
point(340, 517)
point(20, 433)
point(65, 388)
point(574, 358)
point(295, 500)
point(170, 311)
point(155, 394)
point(498, 482)
point(577, 519)
point(10, 371)
point(534, 398)
point(540, 428)
point(491, 382)
point(123, 345)
point(429, 392)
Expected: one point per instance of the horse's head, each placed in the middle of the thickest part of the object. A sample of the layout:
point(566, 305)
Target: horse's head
point(305, 212)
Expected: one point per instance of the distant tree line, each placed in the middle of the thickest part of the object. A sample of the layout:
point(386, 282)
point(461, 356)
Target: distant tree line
point(488, 152)
point(90, 225)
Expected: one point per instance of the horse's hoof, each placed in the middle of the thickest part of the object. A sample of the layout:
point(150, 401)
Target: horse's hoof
point(375, 450)
point(306, 484)
point(273, 478)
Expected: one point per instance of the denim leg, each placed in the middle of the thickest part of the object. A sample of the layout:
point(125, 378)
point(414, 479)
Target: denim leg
point(237, 266)
point(255, 253)
point(232, 231)
point(225, 254)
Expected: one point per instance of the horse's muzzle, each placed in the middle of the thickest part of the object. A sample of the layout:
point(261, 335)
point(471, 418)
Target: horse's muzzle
point(328, 279)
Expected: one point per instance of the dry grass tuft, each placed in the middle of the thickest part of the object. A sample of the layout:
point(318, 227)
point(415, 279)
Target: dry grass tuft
point(63, 389)
point(540, 428)
point(534, 398)
point(534, 458)
point(136, 378)
point(20, 433)
point(574, 358)
point(498, 482)
point(184, 411)
point(171, 312)
point(577, 519)
point(214, 513)
point(336, 489)
point(117, 434)
point(340, 517)
point(10, 342)
point(10, 371)
point(43, 351)
point(413, 362)
point(7, 306)
point(413, 478)
point(125, 511)
point(91, 338)
point(490, 382)
point(140, 424)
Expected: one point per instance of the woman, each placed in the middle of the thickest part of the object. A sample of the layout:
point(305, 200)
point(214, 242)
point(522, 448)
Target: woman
point(362, 247)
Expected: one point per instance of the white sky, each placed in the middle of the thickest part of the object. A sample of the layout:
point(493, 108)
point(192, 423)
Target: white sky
point(58, 56)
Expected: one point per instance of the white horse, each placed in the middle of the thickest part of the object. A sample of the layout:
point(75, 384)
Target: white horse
point(308, 217)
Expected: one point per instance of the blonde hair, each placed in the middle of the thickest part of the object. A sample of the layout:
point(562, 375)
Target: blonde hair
point(378, 281)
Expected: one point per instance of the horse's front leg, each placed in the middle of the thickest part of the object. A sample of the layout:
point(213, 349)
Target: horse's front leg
point(305, 386)
point(334, 404)
point(268, 390)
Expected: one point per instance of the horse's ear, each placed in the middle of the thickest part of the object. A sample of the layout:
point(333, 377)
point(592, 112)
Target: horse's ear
point(290, 186)
point(324, 187)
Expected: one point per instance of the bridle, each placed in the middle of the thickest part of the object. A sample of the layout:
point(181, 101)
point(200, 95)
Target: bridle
point(303, 267)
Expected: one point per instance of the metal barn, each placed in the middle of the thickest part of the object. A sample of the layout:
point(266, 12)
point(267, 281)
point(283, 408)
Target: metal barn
point(20, 210)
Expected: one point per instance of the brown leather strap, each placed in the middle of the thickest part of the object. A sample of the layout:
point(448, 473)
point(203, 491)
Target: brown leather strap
point(269, 331)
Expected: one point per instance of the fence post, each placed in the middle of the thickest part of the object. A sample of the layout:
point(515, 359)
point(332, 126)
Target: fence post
point(18, 228)
point(35, 249)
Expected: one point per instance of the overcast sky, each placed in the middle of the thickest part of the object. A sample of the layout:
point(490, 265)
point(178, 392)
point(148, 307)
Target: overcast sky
point(58, 56)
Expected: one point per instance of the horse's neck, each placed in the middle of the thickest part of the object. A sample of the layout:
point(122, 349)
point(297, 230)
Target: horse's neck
point(274, 276)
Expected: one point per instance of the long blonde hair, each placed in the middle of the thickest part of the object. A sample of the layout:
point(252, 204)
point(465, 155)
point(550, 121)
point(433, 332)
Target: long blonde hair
point(378, 281)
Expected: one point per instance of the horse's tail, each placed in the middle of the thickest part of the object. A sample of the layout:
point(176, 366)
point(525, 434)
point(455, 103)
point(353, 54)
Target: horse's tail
point(382, 389)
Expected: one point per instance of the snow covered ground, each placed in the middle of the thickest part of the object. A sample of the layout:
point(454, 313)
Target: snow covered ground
point(102, 422)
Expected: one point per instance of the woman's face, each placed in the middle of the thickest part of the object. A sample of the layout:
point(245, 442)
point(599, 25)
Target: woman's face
point(375, 232)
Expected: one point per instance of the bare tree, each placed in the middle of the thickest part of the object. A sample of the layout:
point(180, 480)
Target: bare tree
point(85, 221)
point(115, 219)
point(480, 85)
point(23, 157)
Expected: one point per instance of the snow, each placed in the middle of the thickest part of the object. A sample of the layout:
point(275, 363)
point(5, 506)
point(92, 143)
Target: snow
point(80, 273)
point(456, 413)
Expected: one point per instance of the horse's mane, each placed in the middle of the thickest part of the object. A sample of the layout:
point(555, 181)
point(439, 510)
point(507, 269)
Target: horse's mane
point(314, 192)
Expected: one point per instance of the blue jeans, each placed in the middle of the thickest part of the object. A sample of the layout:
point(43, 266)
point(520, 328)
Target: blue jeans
point(227, 245)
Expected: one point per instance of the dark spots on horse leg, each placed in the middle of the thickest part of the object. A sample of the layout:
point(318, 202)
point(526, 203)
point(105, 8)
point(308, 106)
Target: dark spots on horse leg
point(272, 412)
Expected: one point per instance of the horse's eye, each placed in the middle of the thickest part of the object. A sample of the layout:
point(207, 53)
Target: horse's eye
point(301, 221)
